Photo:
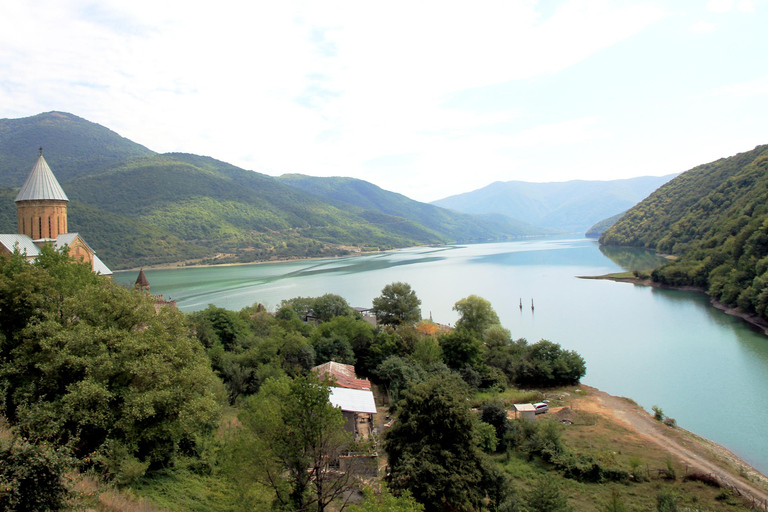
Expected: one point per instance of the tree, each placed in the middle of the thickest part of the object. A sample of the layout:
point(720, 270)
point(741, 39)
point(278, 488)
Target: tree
point(547, 364)
point(433, 452)
point(397, 304)
point(96, 368)
point(475, 314)
point(331, 305)
point(291, 433)
point(461, 348)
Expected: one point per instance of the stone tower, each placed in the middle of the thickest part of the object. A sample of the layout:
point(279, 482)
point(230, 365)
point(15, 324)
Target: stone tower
point(42, 204)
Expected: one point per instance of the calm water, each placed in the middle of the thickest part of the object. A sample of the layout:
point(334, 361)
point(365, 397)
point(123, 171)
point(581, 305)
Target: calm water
point(706, 369)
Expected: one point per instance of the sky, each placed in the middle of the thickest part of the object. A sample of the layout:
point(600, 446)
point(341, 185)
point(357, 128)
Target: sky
point(425, 98)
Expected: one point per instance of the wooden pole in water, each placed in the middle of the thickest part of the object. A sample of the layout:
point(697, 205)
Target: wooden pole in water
point(521, 303)
point(531, 304)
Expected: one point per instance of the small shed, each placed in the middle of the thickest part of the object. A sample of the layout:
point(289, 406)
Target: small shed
point(525, 411)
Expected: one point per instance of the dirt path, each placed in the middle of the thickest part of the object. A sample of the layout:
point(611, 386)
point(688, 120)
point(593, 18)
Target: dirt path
point(698, 453)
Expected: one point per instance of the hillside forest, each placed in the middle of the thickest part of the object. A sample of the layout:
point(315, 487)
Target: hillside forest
point(102, 395)
point(713, 220)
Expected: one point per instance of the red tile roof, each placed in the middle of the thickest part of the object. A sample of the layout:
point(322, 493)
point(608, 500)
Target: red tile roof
point(344, 374)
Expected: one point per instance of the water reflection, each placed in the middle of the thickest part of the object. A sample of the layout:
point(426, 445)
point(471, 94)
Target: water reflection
point(632, 258)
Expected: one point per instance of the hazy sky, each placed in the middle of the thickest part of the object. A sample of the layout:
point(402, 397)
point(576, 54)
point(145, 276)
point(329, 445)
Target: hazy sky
point(429, 99)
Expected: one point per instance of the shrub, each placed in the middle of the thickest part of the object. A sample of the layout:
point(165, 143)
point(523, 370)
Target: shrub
point(705, 478)
point(30, 477)
point(670, 422)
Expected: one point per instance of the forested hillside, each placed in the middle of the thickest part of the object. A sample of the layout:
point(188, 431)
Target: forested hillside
point(571, 206)
point(601, 227)
point(136, 207)
point(351, 191)
point(72, 146)
point(715, 218)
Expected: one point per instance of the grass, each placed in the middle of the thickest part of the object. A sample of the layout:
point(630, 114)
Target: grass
point(508, 397)
point(613, 444)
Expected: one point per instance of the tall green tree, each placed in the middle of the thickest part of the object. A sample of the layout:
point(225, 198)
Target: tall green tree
point(475, 315)
point(96, 368)
point(397, 304)
point(433, 452)
point(291, 433)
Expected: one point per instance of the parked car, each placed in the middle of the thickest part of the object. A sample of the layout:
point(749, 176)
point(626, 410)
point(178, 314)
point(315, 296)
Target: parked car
point(541, 407)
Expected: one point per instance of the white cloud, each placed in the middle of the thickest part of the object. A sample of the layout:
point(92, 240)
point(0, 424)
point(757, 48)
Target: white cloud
point(325, 88)
point(719, 6)
point(757, 87)
point(702, 27)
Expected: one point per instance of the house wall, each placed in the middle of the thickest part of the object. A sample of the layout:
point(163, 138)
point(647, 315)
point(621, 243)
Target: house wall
point(349, 421)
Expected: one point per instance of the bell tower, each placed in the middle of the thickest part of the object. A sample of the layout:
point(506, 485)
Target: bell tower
point(41, 205)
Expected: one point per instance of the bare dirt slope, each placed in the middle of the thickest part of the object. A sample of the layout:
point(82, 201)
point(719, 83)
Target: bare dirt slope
point(696, 452)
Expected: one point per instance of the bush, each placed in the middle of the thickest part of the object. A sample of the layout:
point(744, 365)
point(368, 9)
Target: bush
point(30, 477)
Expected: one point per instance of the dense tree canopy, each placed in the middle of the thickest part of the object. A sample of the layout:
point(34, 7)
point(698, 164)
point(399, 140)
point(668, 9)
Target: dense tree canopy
point(433, 452)
point(397, 304)
point(90, 364)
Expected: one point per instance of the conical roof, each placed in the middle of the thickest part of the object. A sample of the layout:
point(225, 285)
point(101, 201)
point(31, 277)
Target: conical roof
point(41, 184)
point(142, 279)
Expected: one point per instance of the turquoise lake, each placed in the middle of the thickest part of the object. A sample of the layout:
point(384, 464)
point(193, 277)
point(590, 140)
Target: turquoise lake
point(669, 348)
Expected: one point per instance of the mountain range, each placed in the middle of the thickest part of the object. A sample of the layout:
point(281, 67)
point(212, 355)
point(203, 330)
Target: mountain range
point(571, 206)
point(136, 207)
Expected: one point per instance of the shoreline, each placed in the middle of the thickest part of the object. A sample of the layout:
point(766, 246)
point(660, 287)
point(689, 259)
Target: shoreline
point(754, 321)
point(690, 448)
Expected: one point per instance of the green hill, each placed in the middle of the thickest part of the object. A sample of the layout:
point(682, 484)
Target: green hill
point(136, 207)
point(571, 206)
point(715, 218)
point(72, 147)
point(601, 227)
point(455, 225)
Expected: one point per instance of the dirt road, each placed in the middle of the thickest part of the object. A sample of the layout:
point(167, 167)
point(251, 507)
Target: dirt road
point(698, 453)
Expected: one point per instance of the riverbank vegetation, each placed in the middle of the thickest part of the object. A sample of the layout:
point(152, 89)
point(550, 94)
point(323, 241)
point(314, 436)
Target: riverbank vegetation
point(219, 410)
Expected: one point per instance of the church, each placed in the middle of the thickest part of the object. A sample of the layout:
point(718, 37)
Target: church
point(41, 206)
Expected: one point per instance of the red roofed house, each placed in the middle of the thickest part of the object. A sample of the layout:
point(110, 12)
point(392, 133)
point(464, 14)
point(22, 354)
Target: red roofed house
point(352, 395)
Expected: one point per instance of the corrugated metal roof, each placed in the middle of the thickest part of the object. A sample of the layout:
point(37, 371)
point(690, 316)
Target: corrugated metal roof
point(353, 400)
point(41, 184)
point(25, 244)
